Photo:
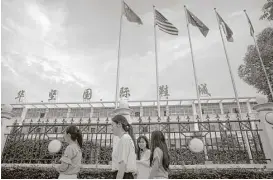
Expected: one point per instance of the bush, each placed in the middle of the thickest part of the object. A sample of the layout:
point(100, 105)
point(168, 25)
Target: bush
point(50, 173)
point(35, 152)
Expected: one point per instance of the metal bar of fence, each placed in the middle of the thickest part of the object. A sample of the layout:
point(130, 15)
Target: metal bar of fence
point(260, 142)
point(211, 142)
point(149, 123)
point(243, 139)
point(38, 140)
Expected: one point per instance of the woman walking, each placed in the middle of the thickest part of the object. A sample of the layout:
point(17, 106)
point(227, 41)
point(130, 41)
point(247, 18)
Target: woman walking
point(72, 157)
point(124, 154)
point(159, 159)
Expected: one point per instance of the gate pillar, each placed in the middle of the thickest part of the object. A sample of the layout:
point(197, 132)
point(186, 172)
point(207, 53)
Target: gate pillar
point(265, 114)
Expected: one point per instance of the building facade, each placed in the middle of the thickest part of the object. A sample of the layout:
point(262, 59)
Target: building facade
point(143, 109)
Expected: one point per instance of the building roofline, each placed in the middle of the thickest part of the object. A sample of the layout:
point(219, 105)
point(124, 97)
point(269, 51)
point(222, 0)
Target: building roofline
point(139, 102)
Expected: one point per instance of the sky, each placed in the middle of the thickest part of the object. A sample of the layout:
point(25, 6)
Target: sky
point(72, 45)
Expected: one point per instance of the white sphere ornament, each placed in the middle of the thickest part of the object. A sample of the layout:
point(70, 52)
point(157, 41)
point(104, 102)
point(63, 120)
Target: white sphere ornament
point(261, 99)
point(269, 118)
point(196, 145)
point(54, 146)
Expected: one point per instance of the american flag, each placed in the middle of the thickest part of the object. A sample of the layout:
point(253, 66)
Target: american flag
point(164, 25)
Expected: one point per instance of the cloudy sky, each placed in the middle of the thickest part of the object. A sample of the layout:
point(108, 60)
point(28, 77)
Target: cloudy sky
point(71, 45)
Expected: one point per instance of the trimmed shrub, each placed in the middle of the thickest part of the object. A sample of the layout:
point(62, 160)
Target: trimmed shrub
point(50, 173)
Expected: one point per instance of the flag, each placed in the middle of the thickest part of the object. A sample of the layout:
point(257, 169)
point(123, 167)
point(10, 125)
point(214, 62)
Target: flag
point(192, 19)
point(250, 25)
point(228, 32)
point(130, 14)
point(164, 25)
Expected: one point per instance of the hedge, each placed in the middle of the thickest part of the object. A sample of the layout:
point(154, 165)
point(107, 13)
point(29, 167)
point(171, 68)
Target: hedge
point(35, 152)
point(50, 173)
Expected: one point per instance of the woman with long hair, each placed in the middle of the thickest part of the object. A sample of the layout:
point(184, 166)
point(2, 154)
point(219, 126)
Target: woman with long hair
point(159, 159)
point(143, 157)
point(124, 153)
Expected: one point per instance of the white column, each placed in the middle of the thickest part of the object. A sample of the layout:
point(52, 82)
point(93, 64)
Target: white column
point(167, 110)
point(221, 107)
point(194, 116)
point(24, 113)
point(249, 110)
point(6, 120)
point(265, 114)
point(194, 109)
point(141, 111)
point(68, 113)
point(91, 112)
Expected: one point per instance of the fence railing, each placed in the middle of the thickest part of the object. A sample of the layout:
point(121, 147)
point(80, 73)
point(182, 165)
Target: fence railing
point(223, 138)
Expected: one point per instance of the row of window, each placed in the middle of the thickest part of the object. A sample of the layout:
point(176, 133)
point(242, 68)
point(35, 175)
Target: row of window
point(173, 110)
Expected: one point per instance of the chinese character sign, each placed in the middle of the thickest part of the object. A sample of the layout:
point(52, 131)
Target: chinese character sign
point(203, 90)
point(124, 92)
point(164, 91)
point(53, 95)
point(87, 94)
point(20, 95)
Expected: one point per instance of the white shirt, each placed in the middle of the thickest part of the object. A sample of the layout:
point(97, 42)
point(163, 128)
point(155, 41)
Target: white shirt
point(124, 151)
point(144, 170)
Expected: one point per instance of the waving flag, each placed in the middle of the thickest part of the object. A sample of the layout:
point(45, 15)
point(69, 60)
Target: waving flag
point(164, 25)
point(130, 14)
point(228, 32)
point(192, 19)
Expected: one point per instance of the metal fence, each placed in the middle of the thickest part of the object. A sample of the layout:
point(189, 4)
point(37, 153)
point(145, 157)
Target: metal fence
point(226, 141)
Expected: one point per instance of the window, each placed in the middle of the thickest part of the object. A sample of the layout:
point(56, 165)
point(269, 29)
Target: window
point(17, 112)
point(55, 129)
point(149, 111)
point(137, 114)
point(96, 113)
point(93, 130)
point(235, 110)
point(145, 129)
point(177, 110)
point(209, 108)
point(42, 115)
point(165, 113)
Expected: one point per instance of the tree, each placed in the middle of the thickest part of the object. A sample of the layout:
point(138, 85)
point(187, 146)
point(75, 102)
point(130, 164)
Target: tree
point(251, 71)
point(268, 11)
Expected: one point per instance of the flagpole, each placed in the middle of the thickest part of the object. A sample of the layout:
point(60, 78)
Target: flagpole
point(234, 89)
point(194, 70)
point(196, 84)
point(118, 64)
point(156, 65)
point(260, 57)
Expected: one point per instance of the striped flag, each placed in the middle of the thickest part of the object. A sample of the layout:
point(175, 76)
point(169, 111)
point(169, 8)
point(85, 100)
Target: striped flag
point(164, 25)
point(130, 14)
point(192, 19)
point(250, 25)
point(228, 32)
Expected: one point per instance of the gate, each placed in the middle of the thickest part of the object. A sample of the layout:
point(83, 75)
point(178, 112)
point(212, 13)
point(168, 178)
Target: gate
point(226, 141)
